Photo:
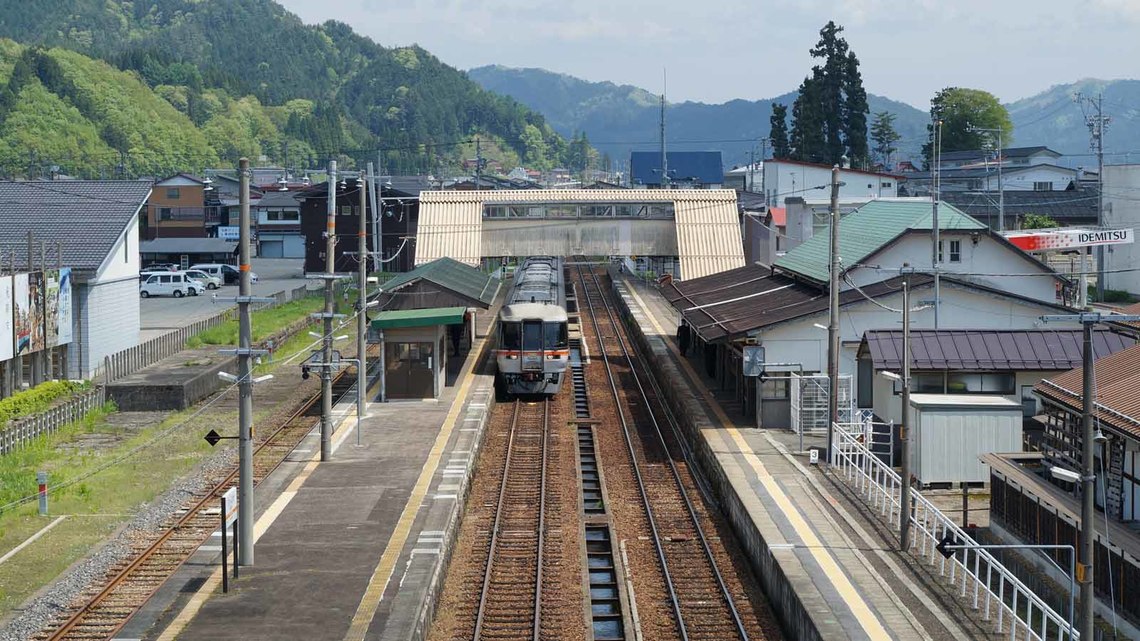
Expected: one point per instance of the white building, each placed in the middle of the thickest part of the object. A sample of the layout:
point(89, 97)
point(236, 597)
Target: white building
point(95, 224)
point(781, 179)
point(279, 226)
point(1122, 210)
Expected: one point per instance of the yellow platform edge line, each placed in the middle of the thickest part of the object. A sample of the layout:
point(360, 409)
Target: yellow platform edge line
point(842, 584)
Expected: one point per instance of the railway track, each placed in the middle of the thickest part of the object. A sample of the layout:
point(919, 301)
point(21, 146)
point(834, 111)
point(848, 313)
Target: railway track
point(132, 583)
point(511, 599)
point(699, 598)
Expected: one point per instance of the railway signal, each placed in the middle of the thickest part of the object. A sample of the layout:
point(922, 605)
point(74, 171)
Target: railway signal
point(212, 437)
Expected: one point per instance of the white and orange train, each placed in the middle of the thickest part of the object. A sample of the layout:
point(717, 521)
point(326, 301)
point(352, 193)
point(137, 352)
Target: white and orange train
point(533, 349)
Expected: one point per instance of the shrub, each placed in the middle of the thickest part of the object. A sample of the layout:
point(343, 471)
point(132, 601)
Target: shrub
point(37, 399)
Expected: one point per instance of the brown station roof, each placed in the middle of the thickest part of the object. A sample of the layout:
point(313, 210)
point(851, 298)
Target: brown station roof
point(971, 349)
point(1117, 379)
point(732, 303)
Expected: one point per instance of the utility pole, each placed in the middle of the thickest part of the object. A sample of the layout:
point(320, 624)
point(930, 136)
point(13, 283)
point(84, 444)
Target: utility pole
point(751, 169)
point(1097, 122)
point(763, 157)
point(1000, 162)
point(1088, 473)
point(833, 321)
point(327, 339)
point(904, 426)
point(362, 304)
point(664, 156)
point(377, 211)
point(478, 164)
point(245, 380)
point(936, 249)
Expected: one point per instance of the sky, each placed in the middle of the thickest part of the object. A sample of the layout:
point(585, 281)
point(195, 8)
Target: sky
point(721, 50)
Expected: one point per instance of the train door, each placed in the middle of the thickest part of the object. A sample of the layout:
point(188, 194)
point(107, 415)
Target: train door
point(532, 346)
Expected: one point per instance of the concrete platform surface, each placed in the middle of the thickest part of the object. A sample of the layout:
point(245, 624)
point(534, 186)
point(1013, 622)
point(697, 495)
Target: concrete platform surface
point(335, 537)
point(826, 578)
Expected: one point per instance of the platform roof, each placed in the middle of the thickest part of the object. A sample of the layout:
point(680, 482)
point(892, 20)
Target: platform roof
point(987, 350)
point(453, 275)
point(707, 222)
point(431, 317)
point(1117, 380)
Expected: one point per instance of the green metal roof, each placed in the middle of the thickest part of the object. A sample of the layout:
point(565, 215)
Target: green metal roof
point(866, 230)
point(450, 274)
point(418, 317)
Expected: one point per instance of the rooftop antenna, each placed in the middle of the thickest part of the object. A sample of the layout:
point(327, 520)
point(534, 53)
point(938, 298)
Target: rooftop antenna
point(664, 158)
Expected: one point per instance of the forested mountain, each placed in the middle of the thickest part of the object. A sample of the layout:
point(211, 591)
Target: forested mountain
point(620, 118)
point(251, 78)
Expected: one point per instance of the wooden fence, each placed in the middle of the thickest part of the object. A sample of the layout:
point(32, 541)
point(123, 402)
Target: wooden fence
point(20, 431)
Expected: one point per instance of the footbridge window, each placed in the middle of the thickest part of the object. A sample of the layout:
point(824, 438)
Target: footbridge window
point(504, 211)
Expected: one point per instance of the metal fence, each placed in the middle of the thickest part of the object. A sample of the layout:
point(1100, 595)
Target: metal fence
point(132, 359)
point(983, 583)
point(20, 431)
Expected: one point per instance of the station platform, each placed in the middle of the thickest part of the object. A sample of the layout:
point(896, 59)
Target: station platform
point(353, 548)
point(826, 577)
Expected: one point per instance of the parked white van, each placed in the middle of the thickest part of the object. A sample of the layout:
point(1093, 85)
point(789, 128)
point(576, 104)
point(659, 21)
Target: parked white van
point(228, 273)
point(176, 284)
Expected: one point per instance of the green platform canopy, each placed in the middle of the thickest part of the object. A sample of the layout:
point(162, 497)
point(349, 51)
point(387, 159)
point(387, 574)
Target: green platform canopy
point(430, 317)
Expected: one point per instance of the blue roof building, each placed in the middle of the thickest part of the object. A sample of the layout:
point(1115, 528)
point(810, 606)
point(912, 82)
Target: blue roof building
point(686, 168)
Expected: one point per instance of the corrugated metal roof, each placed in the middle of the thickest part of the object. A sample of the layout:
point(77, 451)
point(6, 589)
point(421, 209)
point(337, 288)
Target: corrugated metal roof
point(979, 350)
point(1131, 310)
point(187, 246)
point(86, 216)
point(453, 275)
point(418, 317)
point(708, 228)
point(1065, 206)
point(730, 304)
point(1117, 380)
point(866, 230)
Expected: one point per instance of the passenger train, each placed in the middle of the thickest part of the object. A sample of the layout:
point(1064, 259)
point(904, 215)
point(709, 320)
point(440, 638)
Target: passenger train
point(534, 349)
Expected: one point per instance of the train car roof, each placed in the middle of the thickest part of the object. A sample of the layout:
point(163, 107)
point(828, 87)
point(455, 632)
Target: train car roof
point(517, 312)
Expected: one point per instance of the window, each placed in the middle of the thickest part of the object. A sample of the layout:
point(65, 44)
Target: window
point(976, 383)
point(172, 193)
point(283, 215)
point(886, 185)
point(532, 335)
point(774, 389)
point(955, 251)
point(870, 186)
point(929, 383)
point(556, 336)
point(346, 210)
point(165, 213)
point(1044, 185)
point(510, 336)
point(973, 184)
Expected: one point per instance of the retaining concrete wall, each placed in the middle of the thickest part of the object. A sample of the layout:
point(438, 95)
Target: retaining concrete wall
point(175, 384)
point(685, 405)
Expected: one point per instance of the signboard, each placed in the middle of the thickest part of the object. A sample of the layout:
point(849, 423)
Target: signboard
point(22, 304)
point(231, 503)
point(64, 319)
point(753, 360)
point(229, 232)
point(1051, 239)
point(7, 328)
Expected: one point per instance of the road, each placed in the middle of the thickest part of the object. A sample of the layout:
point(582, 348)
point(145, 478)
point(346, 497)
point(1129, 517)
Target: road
point(165, 314)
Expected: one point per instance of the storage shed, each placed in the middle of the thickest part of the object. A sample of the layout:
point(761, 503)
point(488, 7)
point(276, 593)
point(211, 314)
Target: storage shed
point(951, 431)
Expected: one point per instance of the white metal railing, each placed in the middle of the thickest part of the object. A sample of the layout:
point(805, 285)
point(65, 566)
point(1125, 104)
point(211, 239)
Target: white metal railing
point(986, 584)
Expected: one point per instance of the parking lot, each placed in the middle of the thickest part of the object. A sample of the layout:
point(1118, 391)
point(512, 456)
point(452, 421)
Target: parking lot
point(166, 313)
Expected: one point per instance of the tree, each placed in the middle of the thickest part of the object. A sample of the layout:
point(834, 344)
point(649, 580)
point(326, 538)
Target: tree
point(829, 117)
point(961, 111)
point(778, 134)
point(884, 134)
point(1038, 221)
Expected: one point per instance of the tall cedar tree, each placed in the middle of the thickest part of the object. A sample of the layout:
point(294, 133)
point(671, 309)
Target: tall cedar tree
point(884, 134)
point(830, 114)
point(778, 134)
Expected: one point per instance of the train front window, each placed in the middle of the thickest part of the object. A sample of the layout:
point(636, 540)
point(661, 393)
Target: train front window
point(556, 336)
point(532, 335)
point(510, 336)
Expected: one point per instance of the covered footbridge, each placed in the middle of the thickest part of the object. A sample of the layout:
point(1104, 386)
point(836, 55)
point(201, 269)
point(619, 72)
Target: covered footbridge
point(693, 232)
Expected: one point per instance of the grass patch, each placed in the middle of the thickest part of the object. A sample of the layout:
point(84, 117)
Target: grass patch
point(36, 399)
point(264, 323)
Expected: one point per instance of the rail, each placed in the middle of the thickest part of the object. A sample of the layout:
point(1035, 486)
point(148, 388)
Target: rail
point(626, 351)
point(986, 584)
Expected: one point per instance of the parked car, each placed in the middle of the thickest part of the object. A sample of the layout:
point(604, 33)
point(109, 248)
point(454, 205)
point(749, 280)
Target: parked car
point(162, 267)
point(228, 273)
point(176, 284)
point(211, 282)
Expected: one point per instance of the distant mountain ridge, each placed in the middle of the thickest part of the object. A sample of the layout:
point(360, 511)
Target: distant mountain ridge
point(621, 118)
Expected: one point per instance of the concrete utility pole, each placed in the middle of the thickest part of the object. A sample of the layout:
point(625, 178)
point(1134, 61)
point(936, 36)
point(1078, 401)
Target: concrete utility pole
point(1088, 473)
point(377, 213)
point(1096, 123)
point(936, 242)
point(245, 381)
point(1000, 162)
point(904, 426)
point(362, 304)
point(327, 339)
point(833, 321)
point(478, 164)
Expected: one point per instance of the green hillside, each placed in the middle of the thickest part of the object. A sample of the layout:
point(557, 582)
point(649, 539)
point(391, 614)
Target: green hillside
point(243, 77)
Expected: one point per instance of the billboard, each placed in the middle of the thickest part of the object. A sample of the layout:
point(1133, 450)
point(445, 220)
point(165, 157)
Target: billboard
point(23, 314)
point(63, 308)
point(7, 328)
point(1049, 239)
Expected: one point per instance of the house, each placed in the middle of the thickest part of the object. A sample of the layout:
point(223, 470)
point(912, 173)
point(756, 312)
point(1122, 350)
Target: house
point(1007, 363)
point(1011, 157)
point(1039, 177)
point(188, 251)
point(807, 217)
point(879, 238)
point(785, 315)
point(393, 224)
point(177, 209)
point(1121, 210)
point(784, 178)
point(1070, 208)
point(277, 216)
point(95, 226)
point(1031, 505)
point(687, 169)
point(747, 178)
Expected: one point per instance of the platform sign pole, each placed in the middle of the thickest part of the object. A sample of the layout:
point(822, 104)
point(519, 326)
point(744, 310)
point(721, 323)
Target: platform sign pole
point(225, 551)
